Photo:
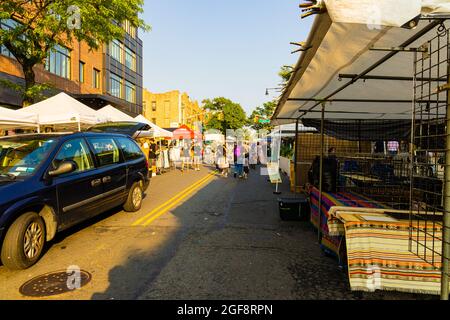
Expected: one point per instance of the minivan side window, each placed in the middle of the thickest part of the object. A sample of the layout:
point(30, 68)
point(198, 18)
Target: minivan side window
point(77, 151)
point(130, 149)
point(105, 150)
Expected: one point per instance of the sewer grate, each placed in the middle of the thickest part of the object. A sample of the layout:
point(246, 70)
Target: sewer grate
point(51, 284)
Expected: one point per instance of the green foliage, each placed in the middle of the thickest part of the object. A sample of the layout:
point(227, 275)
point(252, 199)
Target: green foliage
point(287, 151)
point(264, 112)
point(224, 114)
point(34, 91)
point(43, 24)
point(285, 74)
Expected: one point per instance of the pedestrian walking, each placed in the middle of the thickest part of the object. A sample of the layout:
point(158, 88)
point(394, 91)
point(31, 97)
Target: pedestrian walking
point(152, 158)
point(185, 157)
point(197, 149)
point(238, 160)
point(175, 156)
point(222, 161)
point(246, 166)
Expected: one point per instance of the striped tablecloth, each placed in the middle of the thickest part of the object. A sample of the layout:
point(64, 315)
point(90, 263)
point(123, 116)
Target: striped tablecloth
point(331, 241)
point(379, 256)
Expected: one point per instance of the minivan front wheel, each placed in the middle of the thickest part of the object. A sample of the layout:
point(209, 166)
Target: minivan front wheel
point(24, 242)
point(135, 197)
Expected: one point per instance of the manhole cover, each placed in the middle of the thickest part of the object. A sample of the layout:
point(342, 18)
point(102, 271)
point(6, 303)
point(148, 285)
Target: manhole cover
point(54, 283)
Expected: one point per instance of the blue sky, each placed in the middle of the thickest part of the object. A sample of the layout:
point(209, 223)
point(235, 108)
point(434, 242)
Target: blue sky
point(230, 48)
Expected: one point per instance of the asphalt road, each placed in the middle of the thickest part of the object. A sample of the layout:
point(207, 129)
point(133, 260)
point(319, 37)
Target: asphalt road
point(197, 236)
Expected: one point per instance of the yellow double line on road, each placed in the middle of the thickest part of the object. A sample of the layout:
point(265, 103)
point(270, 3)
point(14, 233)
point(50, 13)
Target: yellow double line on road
point(172, 202)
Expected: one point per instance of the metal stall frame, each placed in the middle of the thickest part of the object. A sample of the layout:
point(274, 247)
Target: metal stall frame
point(402, 48)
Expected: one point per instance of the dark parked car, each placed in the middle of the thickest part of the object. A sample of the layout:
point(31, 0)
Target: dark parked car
point(50, 182)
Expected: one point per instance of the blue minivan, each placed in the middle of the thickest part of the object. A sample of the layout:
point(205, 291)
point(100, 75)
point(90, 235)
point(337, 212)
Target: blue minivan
point(50, 182)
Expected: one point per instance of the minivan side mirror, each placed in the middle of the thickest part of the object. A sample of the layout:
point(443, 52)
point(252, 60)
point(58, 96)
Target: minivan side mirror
point(63, 168)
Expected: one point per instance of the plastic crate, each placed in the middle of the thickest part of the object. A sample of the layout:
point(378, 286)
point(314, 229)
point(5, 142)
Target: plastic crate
point(294, 209)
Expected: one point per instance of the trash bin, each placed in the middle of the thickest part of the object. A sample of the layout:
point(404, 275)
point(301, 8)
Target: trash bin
point(294, 209)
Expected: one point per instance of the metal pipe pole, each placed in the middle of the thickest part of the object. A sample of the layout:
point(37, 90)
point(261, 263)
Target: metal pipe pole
point(296, 156)
point(411, 153)
point(321, 171)
point(446, 225)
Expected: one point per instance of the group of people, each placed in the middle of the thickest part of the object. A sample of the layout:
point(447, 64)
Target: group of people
point(164, 156)
point(191, 154)
point(243, 157)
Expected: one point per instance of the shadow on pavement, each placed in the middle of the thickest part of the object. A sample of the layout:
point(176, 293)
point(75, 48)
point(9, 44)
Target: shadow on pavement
point(229, 243)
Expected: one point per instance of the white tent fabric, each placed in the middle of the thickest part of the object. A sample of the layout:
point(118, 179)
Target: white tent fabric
point(383, 12)
point(13, 119)
point(113, 114)
point(158, 132)
point(62, 109)
point(288, 130)
point(344, 48)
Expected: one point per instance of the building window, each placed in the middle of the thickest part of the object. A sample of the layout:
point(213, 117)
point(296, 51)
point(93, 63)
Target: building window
point(130, 59)
point(131, 30)
point(115, 86)
point(58, 62)
point(82, 71)
point(130, 92)
point(167, 109)
point(144, 107)
point(154, 120)
point(153, 105)
point(96, 79)
point(116, 50)
point(7, 24)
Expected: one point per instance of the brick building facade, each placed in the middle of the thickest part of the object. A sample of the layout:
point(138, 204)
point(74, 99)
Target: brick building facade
point(171, 109)
point(111, 75)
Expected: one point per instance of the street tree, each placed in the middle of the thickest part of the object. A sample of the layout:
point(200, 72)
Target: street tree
point(37, 26)
point(260, 116)
point(224, 114)
point(285, 74)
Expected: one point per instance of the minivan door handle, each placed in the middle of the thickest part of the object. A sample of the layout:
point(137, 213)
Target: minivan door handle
point(96, 182)
point(106, 179)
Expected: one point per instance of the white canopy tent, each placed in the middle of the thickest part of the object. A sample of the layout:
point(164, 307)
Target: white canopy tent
point(15, 119)
point(113, 114)
point(158, 132)
point(356, 81)
point(359, 64)
point(62, 110)
point(288, 130)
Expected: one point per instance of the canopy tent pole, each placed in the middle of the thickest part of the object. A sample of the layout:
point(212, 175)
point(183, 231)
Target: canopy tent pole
point(446, 225)
point(355, 100)
point(278, 157)
point(296, 156)
point(322, 122)
point(389, 78)
point(161, 155)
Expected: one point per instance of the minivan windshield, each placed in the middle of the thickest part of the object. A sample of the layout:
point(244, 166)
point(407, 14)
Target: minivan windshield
point(22, 156)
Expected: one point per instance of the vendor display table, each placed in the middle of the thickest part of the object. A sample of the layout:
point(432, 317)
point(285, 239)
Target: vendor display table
point(378, 251)
point(332, 243)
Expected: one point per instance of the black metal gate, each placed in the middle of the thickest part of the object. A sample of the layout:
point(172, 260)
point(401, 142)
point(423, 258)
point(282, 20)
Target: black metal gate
point(430, 154)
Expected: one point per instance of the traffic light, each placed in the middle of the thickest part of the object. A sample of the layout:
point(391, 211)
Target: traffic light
point(256, 119)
